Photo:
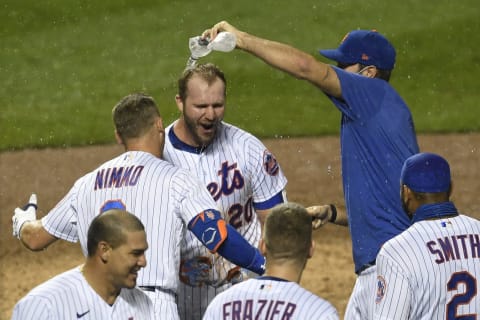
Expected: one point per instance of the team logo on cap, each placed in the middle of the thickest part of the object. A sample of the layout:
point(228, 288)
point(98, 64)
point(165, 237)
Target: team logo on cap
point(270, 164)
point(381, 289)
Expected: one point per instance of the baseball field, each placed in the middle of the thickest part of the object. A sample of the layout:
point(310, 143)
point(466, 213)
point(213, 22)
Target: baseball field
point(64, 65)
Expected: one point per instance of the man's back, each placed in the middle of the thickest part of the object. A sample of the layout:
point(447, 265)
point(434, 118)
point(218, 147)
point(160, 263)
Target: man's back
point(269, 298)
point(431, 271)
point(164, 197)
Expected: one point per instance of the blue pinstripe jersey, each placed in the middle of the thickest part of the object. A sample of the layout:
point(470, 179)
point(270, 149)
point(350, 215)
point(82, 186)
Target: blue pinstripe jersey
point(69, 296)
point(377, 135)
point(269, 298)
point(243, 176)
point(163, 196)
point(431, 271)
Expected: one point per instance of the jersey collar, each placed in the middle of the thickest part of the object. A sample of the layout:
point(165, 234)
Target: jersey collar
point(180, 145)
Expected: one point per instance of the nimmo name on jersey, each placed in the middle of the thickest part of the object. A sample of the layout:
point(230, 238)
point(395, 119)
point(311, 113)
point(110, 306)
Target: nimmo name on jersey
point(118, 177)
point(456, 247)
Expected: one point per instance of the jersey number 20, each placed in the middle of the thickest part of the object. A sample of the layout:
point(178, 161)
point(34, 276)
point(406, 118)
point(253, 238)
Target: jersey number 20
point(470, 284)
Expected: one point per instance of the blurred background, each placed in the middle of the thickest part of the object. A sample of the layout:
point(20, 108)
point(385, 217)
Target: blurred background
point(64, 64)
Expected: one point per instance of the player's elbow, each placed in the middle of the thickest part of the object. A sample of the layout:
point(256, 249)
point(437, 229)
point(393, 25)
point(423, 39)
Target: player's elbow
point(305, 67)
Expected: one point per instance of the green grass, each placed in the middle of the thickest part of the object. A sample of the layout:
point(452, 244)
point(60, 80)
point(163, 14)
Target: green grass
point(64, 64)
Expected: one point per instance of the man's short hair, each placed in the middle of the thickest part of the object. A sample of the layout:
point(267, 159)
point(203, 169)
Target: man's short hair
point(111, 226)
point(288, 232)
point(209, 72)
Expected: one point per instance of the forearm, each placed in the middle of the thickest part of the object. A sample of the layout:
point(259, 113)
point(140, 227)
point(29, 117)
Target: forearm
point(34, 236)
point(218, 236)
point(342, 218)
point(281, 56)
point(238, 251)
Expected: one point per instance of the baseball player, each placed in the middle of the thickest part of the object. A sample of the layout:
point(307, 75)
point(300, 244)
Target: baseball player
point(240, 173)
point(167, 200)
point(103, 287)
point(287, 244)
point(377, 135)
point(431, 270)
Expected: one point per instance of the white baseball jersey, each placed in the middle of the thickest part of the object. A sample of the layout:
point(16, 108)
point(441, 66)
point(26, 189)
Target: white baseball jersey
point(69, 296)
point(269, 298)
point(431, 271)
point(241, 174)
point(361, 302)
point(163, 196)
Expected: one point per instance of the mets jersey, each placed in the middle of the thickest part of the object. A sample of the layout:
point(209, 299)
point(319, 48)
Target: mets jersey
point(377, 136)
point(431, 270)
point(269, 298)
point(163, 196)
point(242, 175)
point(69, 296)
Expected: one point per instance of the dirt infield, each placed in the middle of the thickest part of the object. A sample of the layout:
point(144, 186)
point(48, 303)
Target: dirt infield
point(312, 166)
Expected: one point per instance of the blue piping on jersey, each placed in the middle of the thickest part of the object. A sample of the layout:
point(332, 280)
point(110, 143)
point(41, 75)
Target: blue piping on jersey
point(271, 278)
point(180, 145)
point(270, 203)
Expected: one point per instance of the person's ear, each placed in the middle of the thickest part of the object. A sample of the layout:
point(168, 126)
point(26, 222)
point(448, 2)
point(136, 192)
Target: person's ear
point(159, 125)
point(104, 250)
point(262, 247)
point(179, 102)
point(371, 72)
point(450, 190)
point(118, 138)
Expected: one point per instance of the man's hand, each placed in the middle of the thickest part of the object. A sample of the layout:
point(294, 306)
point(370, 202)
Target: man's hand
point(320, 215)
point(218, 28)
point(22, 215)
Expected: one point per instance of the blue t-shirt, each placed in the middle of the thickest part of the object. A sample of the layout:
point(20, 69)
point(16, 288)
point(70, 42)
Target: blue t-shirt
point(377, 135)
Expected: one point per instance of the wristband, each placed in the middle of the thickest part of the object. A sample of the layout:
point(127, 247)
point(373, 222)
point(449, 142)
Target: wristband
point(334, 213)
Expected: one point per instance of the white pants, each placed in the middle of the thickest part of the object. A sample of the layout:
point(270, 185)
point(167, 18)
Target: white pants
point(362, 300)
point(193, 301)
point(164, 304)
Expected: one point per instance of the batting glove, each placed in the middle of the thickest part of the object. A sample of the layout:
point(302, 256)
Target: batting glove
point(27, 213)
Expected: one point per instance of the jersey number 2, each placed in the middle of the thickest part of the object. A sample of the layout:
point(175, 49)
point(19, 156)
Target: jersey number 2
point(470, 284)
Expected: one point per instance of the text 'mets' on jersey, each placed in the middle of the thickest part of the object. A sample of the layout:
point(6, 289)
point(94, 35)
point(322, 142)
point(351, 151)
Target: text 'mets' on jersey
point(163, 196)
point(69, 296)
point(431, 271)
point(377, 136)
point(240, 173)
point(269, 298)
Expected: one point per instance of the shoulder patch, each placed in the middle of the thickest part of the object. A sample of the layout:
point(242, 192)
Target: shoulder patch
point(270, 164)
point(381, 289)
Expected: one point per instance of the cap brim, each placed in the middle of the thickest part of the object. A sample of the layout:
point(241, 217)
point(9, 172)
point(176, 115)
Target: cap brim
point(335, 55)
point(332, 54)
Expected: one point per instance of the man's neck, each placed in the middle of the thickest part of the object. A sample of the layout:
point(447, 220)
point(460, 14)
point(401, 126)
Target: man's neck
point(99, 281)
point(285, 270)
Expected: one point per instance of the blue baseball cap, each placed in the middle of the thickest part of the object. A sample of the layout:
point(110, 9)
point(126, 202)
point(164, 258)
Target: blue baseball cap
point(366, 47)
point(426, 172)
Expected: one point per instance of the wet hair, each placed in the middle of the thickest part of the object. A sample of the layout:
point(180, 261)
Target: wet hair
point(208, 72)
point(111, 226)
point(134, 115)
point(288, 232)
